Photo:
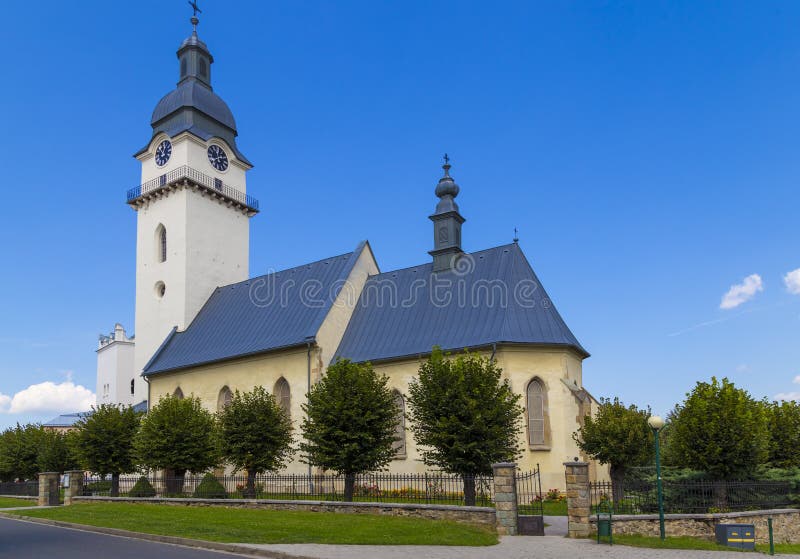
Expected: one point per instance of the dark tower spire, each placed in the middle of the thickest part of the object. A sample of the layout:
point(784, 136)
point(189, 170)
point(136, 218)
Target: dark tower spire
point(195, 59)
point(446, 223)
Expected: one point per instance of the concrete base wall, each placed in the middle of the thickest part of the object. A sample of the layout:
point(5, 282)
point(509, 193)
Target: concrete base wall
point(471, 515)
point(785, 524)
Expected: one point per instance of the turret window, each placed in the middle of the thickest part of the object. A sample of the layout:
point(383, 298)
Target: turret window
point(132, 386)
point(163, 244)
point(203, 68)
point(183, 67)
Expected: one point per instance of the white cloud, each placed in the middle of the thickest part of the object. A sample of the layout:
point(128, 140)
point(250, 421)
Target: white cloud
point(787, 396)
point(792, 281)
point(796, 379)
point(742, 292)
point(742, 368)
point(48, 397)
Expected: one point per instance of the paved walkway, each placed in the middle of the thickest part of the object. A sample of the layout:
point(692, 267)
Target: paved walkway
point(519, 547)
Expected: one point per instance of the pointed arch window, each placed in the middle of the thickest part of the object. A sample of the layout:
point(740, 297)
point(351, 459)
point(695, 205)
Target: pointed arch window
point(400, 426)
point(178, 393)
point(162, 242)
point(537, 413)
point(224, 398)
point(283, 396)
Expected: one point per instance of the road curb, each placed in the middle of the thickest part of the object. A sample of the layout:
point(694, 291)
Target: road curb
point(173, 540)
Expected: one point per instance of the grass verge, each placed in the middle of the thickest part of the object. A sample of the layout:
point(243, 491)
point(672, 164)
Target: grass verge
point(8, 502)
point(233, 525)
point(685, 542)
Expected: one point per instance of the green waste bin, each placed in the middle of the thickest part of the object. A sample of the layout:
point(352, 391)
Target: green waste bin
point(605, 524)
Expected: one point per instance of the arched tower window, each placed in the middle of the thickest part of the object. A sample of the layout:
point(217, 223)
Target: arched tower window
point(537, 413)
point(224, 398)
point(183, 66)
point(283, 396)
point(400, 426)
point(203, 68)
point(161, 243)
point(178, 393)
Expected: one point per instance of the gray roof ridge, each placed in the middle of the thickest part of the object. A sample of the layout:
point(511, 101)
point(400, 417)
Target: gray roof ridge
point(431, 262)
point(287, 269)
point(323, 311)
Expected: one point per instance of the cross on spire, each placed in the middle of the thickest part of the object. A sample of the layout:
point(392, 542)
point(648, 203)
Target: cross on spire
point(516, 235)
point(195, 10)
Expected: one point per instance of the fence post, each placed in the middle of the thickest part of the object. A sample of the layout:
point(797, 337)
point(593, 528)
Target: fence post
point(505, 497)
point(75, 487)
point(578, 504)
point(48, 489)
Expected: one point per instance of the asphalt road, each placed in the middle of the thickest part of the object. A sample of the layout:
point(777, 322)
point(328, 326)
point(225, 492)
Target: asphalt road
point(25, 540)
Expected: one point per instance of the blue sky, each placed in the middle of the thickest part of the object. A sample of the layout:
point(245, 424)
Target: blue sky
point(647, 152)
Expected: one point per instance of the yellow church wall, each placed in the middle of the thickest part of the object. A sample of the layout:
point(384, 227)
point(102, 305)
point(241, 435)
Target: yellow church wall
point(556, 368)
point(333, 327)
point(206, 382)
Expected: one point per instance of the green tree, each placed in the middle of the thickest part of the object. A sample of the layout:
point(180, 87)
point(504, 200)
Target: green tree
point(719, 429)
point(104, 441)
point(619, 436)
point(255, 434)
point(19, 452)
point(55, 452)
point(464, 416)
point(177, 435)
point(349, 424)
point(783, 422)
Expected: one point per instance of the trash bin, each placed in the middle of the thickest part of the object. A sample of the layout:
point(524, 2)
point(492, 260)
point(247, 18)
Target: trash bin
point(605, 524)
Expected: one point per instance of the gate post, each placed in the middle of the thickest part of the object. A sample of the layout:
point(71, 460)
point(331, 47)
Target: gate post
point(578, 499)
point(48, 489)
point(505, 498)
point(75, 486)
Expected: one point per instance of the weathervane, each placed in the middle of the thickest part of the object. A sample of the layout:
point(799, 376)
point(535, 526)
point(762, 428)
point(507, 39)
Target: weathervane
point(195, 10)
point(516, 235)
point(446, 165)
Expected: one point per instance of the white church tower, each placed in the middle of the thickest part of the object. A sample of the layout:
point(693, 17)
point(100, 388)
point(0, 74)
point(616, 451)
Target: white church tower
point(192, 206)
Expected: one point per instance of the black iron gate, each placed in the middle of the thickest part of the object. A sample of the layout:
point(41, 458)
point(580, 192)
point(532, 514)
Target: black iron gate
point(530, 512)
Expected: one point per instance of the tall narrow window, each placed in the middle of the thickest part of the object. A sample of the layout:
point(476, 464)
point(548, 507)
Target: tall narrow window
point(163, 244)
point(132, 384)
point(178, 393)
point(283, 396)
point(536, 413)
point(224, 398)
point(400, 426)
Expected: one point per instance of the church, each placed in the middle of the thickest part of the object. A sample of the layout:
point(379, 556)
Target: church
point(204, 327)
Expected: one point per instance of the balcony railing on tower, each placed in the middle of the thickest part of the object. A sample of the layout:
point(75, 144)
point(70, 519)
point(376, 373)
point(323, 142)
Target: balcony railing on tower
point(186, 175)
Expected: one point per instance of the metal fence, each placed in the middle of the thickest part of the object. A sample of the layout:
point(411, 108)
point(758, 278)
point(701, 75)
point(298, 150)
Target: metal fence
point(20, 488)
point(428, 488)
point(641, 497)
point(529, 493)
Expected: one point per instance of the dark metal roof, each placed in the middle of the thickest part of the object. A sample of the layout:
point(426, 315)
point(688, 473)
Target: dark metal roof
point(197, 95)
point(491, 296)
point(278, 310)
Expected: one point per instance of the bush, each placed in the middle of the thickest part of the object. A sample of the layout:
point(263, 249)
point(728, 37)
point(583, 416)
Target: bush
point(210, 488)
point(142, 488)
point(98, 487)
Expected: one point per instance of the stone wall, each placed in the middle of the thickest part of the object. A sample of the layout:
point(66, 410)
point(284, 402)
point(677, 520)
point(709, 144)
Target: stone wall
point(577, 481)
point(472, 515)
point(785, 524)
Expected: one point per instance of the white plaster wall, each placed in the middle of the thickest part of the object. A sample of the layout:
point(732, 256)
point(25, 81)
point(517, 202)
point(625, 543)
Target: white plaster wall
point(115, 367)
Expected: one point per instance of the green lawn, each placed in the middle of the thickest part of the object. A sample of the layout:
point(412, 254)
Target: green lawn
point(6, 502)
point(231, 525)
point(685, 542)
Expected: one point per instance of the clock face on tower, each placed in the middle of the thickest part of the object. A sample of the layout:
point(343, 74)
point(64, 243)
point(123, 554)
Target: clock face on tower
point(217, 157)
point(163, 152)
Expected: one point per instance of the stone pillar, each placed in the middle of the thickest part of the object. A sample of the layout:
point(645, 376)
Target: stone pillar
point(505, 498)
point(578, 499)
point(48, 489)
point(75, 487)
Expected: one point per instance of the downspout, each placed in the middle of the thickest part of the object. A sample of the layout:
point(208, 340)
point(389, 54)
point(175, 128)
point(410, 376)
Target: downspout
point(494, 350)
point(309, 342)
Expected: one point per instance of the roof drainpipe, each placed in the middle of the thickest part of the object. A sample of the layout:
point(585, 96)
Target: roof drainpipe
point(309, 342)
point(494, 350)
point(147, 380)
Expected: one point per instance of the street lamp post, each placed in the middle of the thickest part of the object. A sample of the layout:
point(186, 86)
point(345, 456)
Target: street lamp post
point(656, 424)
